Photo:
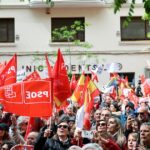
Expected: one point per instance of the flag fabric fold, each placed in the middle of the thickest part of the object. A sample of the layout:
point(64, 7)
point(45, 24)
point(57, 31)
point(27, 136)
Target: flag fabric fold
point(73, 83)
point(9, 74)
point(61, 84)
point(78, 92)
point(33, 76)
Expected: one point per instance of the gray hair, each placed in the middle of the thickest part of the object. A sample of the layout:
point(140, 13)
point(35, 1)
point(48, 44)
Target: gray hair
point(92, 146)
point(75, 147)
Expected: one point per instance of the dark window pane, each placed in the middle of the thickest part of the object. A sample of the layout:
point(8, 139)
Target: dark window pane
point(57, 23)
point(7, 30)
point(136, 30)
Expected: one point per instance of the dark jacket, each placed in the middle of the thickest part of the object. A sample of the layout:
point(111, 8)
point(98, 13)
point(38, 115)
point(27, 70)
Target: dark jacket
point(55, 144)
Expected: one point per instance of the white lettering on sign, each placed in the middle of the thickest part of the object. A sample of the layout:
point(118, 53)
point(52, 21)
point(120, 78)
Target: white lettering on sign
point(12, 68)
point(38, 94)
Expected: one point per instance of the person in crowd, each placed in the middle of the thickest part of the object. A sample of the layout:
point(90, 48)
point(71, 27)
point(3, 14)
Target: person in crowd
point(129, 110)
point(4, 133)
point(31, 138)
point(114, 108)
point(77, 139)
point(92, 146)
point(18, 128)
point(101, 130)
point(106, 101)
point(132, 125)
point(145, 136)
point(94, 122)
point(7, 145)
point(114, 128)
point(70, 113)
point(103, 138)
point(143, 114)
point(29, 142)
point(61, 141)
point(105, 114)
point(132, 142)
point(143, 101)
point(47, 131)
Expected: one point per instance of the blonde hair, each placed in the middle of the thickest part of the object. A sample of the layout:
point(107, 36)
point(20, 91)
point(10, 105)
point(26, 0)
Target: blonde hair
point(120, 138)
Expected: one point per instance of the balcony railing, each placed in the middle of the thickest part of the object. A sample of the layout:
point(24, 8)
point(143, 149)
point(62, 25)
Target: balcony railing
point(60, 3)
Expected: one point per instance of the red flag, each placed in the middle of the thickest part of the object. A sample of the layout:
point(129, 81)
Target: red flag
point(94, 76)
point(73, 83)
point(61, 85)
point(29, 127)
point(30, 98)
point(146, 87)
point(49, 67)
point(23, 147)
point(133, 98)
point(33, 76)
point(90, 91)
point(142, 78)
point(77, 95)
point(8, 74)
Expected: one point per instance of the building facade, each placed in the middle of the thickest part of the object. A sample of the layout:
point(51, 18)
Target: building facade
point(26, 29)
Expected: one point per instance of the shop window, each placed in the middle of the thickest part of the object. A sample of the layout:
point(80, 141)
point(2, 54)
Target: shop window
point(129, 75)
point(7, 30)
point(58, 23)
point(136, 30)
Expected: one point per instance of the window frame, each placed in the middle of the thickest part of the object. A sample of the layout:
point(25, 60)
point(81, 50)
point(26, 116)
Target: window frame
point(138, 18)
point(10, 27)
point(78, 37)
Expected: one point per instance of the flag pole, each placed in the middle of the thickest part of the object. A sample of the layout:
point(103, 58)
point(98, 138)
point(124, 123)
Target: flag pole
point(51, 97)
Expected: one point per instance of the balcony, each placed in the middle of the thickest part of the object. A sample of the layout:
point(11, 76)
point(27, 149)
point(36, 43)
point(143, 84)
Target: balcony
point(57, 3)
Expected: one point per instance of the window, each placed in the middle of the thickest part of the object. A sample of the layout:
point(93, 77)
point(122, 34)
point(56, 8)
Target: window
point(136, 30)
point(7, 30)
point(58, 23)
point(147, 72)
point(129, 75)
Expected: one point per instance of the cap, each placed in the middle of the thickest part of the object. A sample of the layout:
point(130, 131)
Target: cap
point(130, 104)
point(4, 126)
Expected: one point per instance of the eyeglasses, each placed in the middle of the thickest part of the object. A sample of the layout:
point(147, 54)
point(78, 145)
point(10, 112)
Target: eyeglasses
point(63, 126)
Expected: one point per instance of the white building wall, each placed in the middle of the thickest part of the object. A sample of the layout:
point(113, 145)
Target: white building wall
point(34, 29)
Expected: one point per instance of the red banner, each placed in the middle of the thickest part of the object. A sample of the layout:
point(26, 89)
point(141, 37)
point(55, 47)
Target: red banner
point(32, 98)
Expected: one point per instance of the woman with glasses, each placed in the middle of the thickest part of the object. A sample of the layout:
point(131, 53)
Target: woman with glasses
point(103, 138)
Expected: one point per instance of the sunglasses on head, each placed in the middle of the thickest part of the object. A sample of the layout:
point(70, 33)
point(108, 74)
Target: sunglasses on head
point(62, 126)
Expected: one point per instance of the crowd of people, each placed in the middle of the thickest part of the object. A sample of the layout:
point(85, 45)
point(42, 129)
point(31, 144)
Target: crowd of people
point(115, 125)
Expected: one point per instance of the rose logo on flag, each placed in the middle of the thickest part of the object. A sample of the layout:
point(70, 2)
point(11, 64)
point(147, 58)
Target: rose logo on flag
point(9, 93)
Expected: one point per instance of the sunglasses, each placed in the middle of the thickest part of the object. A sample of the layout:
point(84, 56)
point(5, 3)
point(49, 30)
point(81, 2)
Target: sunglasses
point(62, 126)
point(140, 113)
point(102, 124)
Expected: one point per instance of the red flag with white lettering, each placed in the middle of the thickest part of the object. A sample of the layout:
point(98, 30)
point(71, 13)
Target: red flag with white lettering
point(32, 98)
point(8, 74)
